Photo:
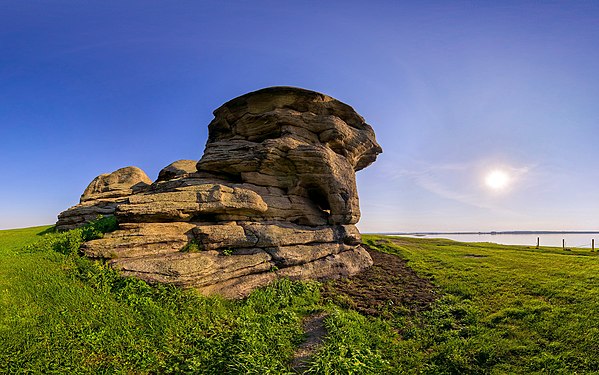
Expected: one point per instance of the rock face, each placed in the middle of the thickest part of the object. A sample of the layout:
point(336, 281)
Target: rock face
point(274, 195)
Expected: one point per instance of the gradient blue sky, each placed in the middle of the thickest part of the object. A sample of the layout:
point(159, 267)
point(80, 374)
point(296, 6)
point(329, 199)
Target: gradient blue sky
point(452, 89)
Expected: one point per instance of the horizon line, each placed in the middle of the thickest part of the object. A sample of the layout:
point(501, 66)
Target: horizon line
point(492, 232)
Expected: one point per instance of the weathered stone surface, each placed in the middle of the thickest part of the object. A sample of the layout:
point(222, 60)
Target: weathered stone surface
point(120, 183)
point(265, 235)
point(236, 275)
point(274, 195)
point(85, 212)
point(195, 269)
point(141, 239)
point(343, 264)
point(186, 203)
point(177, 169)
point(333, 266)
point(306, 143)
point(293, 255)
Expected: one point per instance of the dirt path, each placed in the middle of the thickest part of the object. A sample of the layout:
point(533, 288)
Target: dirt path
point(315, 332)
point(390, 285)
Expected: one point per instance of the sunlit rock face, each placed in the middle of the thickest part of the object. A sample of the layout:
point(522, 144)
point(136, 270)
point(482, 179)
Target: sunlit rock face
point(274, 195)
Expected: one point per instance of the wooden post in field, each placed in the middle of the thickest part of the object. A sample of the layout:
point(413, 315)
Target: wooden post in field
point(563, 244)
point(593, 245)
point(538, 240)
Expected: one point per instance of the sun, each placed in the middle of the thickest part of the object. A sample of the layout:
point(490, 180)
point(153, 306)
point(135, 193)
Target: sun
point(497, 180)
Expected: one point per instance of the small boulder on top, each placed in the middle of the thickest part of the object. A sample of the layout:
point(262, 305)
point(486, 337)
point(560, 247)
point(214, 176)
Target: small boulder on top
point(102, 195)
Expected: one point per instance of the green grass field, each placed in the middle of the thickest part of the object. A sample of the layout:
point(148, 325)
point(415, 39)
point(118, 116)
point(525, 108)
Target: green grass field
point(502, 310)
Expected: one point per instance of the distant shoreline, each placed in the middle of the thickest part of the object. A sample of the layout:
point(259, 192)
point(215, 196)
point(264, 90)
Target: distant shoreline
point(486, 233)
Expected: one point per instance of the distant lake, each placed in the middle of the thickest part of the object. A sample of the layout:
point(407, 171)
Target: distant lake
point(573, 240)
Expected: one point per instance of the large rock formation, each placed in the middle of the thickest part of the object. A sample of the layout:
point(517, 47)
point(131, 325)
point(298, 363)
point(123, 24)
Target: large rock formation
point(274, 195)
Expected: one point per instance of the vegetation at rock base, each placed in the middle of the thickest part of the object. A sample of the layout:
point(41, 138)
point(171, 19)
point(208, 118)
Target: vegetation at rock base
point(497, 309)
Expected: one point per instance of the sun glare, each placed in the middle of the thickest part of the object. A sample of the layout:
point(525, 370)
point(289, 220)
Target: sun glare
point(497, 180)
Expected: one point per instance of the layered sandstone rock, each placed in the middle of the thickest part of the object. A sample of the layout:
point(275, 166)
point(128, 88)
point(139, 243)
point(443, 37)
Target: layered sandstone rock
point(274, 195)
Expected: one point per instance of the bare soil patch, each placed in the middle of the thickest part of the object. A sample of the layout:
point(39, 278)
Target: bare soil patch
point(390, 285)
point(314, 332)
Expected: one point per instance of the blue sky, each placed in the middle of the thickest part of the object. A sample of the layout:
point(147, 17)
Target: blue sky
point(453, 90)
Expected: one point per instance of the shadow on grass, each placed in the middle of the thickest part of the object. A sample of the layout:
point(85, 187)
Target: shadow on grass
point(52, 229)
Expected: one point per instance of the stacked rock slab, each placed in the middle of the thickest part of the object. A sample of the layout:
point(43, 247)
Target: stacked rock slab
point(274, 195)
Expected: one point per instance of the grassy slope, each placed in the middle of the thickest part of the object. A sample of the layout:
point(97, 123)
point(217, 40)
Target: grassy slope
point(504, 310)
point(64, 314)
point(514, 309)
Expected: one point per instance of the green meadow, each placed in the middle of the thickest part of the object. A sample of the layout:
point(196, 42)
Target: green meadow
point(498, 310)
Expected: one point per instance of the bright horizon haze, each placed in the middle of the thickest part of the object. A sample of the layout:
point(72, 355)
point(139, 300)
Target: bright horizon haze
point(487, 112)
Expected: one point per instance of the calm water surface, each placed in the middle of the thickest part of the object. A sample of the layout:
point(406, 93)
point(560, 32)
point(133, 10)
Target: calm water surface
point(573, 240)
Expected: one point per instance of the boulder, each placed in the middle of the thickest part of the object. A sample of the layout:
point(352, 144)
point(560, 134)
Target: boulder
point(274, 195)
point(120, 183)
point(177, 169)
point(103, 195)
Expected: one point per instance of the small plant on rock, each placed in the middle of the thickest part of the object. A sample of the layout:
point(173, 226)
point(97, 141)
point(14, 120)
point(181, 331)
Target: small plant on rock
point(192, 247)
